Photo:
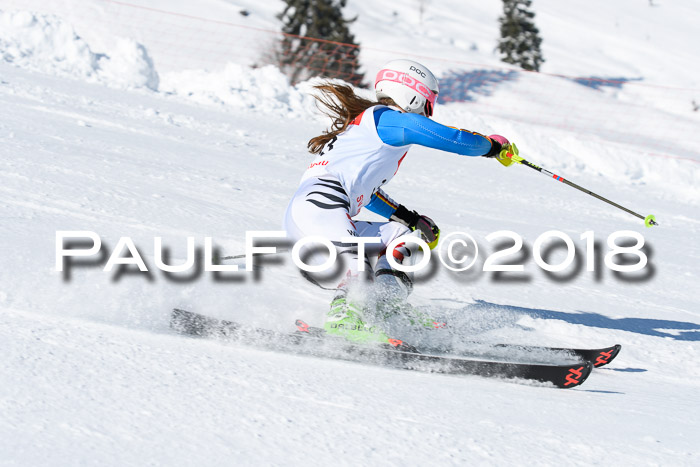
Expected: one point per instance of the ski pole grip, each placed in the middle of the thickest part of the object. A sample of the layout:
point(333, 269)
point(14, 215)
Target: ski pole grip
point(508, 155)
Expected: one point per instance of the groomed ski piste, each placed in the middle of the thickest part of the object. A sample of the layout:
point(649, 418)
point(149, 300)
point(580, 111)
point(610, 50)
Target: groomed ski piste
point(96, 135)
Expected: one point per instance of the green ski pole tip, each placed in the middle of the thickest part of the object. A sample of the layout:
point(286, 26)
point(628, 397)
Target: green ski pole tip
point(650, 220)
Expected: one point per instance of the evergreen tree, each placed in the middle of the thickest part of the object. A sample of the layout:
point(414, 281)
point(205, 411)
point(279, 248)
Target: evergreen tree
point(301, 58)
point(520, 40)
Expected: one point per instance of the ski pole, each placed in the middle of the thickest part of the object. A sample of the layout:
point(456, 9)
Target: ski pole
point(281, 250)
point(648, 220)
point(254, 254)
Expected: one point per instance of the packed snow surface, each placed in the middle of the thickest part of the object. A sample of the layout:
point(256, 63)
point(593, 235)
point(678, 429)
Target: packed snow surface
point(140, 120)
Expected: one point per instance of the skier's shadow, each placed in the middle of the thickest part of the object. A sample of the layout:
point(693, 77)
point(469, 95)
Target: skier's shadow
point(597, 82)
point(677, 330)
point(463, 86)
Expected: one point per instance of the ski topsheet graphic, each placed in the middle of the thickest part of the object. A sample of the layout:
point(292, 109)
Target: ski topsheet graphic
point(312, 341)
point(598, 357)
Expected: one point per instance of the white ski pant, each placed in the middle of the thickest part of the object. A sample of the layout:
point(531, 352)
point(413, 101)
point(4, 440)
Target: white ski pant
point(320, 208)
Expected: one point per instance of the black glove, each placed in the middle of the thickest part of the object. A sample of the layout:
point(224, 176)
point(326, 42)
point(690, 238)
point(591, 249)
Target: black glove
point(495, 149)
point(414, 221)
point(497, 142)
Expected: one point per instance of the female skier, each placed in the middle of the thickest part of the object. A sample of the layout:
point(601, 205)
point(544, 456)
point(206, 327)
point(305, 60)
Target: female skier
point(361, 152)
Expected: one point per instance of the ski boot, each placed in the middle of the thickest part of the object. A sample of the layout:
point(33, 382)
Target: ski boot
point(395, 310)
point(392, 288)
point(344, 319)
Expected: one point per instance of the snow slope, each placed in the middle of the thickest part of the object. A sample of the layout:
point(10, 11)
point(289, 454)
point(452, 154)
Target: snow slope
point(95, 136)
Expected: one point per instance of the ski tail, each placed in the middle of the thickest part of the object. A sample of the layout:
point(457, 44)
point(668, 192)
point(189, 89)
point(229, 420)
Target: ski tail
point(602, 357)
point(576, 375)
point(598, 357)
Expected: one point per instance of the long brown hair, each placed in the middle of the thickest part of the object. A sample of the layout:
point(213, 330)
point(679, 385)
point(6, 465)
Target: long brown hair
point(342, 105)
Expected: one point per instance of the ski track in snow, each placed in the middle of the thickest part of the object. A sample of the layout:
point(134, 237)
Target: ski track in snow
point(90, 373)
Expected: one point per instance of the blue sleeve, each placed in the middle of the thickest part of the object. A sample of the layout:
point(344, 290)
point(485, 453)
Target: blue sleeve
point(382, 204)
point(399, 129)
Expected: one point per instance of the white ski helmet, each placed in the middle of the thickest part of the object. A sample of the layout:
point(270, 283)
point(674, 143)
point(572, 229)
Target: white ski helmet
point(411, 85)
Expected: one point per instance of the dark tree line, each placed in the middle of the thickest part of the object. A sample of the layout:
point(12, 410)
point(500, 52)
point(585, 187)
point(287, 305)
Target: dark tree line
point(317, 40)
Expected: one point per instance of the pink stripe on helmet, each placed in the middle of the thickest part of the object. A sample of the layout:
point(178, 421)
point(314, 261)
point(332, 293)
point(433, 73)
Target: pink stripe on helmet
point(406, 80)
